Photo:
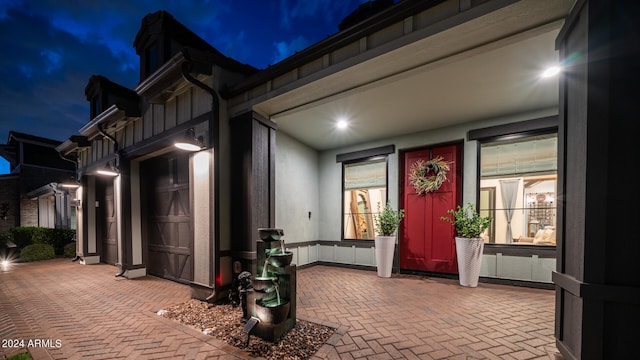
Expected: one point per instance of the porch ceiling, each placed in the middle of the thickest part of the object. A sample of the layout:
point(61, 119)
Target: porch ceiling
point(386, 96)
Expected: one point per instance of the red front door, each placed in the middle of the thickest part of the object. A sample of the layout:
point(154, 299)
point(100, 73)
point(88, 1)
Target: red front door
point(427, 243)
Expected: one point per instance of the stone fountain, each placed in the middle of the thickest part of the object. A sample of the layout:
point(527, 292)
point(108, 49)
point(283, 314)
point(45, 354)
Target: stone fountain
point(271, 303)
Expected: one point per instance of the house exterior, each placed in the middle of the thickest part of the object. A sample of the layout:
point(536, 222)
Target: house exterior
point(32, 194)
point(416, 81)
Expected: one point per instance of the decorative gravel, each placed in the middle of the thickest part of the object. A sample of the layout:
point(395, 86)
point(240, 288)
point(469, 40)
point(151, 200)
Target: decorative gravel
point(224, 322)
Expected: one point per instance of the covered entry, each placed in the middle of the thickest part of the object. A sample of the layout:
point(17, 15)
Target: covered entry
point(426, 242)
point(166, 216)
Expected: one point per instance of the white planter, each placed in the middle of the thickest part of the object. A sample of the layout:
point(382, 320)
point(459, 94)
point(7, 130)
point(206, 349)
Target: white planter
point(469, 254)
point(385, 248)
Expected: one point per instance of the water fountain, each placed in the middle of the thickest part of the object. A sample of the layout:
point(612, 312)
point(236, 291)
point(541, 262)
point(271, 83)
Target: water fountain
point(271, 303)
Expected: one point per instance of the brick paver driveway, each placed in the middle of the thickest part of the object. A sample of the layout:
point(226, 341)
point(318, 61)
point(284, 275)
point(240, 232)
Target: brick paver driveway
point(84, 312)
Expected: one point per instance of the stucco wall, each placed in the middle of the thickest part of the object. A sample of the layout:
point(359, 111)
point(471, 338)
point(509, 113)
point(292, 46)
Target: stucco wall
point(306, 179)
point(297, 179)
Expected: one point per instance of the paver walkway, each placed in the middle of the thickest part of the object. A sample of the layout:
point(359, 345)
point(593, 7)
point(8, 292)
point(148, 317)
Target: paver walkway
point(410, 317)
point(84, 312)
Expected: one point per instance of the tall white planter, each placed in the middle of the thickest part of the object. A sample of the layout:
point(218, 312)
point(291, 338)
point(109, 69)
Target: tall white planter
point(385, 248)
point(469, 254)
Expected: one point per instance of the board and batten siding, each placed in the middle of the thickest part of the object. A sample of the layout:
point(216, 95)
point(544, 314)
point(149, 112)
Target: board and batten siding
point(156, 119)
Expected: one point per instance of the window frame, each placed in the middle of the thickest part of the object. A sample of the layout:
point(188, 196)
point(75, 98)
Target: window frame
point(513, 131)
point(374, 154)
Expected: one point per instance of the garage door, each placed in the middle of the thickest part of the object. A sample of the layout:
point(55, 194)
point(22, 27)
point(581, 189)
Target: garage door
point(169, 235)
point(109, 228)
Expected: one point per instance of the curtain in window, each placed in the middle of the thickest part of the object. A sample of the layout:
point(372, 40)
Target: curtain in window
point(509, 190)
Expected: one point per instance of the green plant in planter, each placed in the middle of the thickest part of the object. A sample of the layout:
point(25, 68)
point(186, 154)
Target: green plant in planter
point(387, 220)
point(467, 221)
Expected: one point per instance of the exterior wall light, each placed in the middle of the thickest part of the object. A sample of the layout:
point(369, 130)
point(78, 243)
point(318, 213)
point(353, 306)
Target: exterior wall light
point(551, 71)
point(109, 170)
point(70, 184)
point(189, 141)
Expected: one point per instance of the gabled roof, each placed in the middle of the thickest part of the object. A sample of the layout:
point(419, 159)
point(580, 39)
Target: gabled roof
point(9, 151)
point(15, 136)
point(99, 83)
point(154, 25)
point(113, 94)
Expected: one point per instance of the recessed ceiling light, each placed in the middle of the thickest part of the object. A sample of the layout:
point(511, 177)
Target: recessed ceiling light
point(550, 71)
point(342, 124)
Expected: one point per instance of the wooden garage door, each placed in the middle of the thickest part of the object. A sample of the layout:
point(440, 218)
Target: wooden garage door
point(168, 220)
point(109, 228)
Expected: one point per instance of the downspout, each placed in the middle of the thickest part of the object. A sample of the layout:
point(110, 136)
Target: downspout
point(116, 150)
point(213, 139)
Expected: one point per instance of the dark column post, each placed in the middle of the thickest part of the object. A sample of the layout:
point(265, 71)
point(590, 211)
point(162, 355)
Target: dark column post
point(597, 281)
point(252, 183)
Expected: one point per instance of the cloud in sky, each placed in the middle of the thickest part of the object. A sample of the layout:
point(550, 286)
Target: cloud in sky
point(52, 47)
point(283, 49)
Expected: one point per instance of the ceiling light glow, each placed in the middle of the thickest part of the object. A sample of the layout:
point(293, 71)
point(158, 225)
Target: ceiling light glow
point(551, 71)
point(342, 124)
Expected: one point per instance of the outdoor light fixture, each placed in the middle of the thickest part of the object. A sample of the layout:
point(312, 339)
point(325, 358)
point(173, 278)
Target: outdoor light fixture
point(189, 141)
point(71, 183)
point(5, 264)
point(109, 169)
point(551, 71)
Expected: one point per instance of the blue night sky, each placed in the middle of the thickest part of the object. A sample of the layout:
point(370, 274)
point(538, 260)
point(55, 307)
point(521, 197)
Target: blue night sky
point(50, 48)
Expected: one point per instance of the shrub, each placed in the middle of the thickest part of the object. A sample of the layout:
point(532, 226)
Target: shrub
point(22, 235)
point(20, 356)
point(36, 252)
point(5, 238)
point(70, 250)
point(40, 235)
point(59, 238)
point(27, 235)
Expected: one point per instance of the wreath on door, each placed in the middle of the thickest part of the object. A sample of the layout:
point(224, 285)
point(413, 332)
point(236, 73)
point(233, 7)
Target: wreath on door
point(428, 176)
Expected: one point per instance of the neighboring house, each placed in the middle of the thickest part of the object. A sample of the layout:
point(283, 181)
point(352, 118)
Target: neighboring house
point(32, 193)
point(416, 80)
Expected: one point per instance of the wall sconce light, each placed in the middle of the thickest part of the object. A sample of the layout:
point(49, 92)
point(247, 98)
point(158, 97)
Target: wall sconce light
point(70, 184)
point(189, 141)
point(109, 169)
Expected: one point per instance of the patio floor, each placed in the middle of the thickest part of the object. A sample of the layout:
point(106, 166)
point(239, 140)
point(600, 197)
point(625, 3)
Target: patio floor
point(73, 311)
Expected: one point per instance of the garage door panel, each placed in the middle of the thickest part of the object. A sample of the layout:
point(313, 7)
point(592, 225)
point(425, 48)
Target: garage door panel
point(169, 228)
point(107, 220)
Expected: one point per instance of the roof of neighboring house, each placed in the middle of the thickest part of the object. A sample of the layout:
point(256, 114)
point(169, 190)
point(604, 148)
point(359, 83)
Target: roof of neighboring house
point(36, 150)
point(18, 136)
point(9, 150)
point(43, 190)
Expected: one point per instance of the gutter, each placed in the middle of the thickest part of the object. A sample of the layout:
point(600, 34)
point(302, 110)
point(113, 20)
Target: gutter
point(98, 120)
point(214, 134)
